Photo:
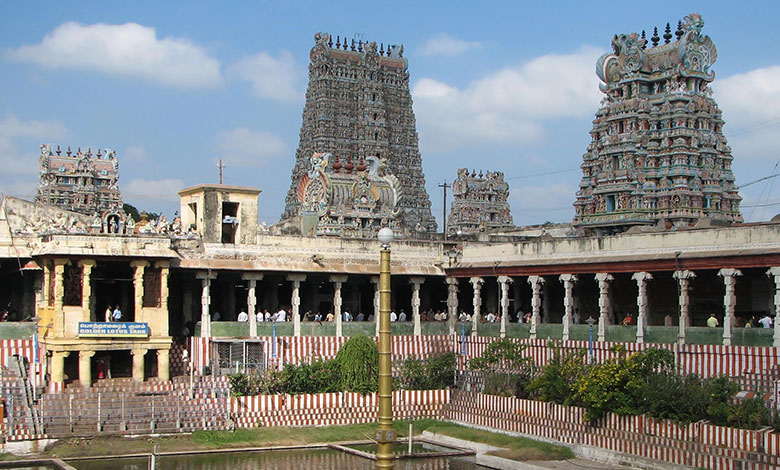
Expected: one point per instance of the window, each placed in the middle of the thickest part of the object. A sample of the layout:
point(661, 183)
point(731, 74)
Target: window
point(611, 203)
point(229, 222)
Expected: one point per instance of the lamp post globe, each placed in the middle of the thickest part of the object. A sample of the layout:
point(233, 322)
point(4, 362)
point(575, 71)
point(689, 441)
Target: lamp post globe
point(385, 236)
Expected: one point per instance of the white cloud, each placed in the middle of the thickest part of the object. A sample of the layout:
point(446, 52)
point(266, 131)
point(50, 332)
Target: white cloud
point(549, 200)
point(16, 162)
point(271, 77)
point(150, 190)
point(510, 106)
point(242, 147)
point(134, 154)
point(128, 49)
point(446, 45)
point(751, 109)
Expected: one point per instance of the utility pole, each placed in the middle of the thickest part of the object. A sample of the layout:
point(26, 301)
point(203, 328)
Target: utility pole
point(220, 166)
point(444, 186)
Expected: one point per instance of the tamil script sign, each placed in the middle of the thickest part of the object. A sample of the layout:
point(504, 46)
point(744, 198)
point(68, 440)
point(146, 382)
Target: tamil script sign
point(111, 329)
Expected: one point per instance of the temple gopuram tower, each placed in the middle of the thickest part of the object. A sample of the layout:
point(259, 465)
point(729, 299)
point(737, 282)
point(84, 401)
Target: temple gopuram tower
point(79, 182)
point(658, 154)
point(480, 203)
point(358, 165)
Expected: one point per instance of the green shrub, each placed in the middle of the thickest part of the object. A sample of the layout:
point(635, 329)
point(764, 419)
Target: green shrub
point(617, 384)
point(433, 373)
point(315, 377)
point(504, 369)
point(358, 360)
point(556, 381)
point(267, 382)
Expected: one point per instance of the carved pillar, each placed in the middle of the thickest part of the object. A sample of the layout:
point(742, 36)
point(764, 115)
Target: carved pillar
point(58, 366)
point(504, 282)
point(295, 302)
point(684, 281)
point(138, 289)
point(205, 300)
point(568, 281)
point(165, 271)
point(774, 272)
point(85, 368)
point(163, 364)
point(729, 301)
point(59, 296)
point(641, 279)
point(44, 299)
point(337, 281)
point(416, 282)
point(476, 283)
point(536, 301)
point(603, 279)
point(375, 281)
point(86, 288)
point(251, 300)
point(452, 303)
point(138, 364)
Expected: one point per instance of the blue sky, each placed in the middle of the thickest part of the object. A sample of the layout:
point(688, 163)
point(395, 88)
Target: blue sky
point(507, 86)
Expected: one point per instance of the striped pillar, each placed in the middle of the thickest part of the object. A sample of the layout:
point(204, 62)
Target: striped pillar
point(568, 281)
point(295, 301)
point(536, 301)
point(416, 282)
point(729, 301)
point(774, 273)
point(452, 304)
point(603, 279)
point(504, 282)
point(476, 283)
point(684, 280)
point(641, 279)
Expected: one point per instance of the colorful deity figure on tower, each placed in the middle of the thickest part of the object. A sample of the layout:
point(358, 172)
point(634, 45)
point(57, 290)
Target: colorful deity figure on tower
point(658, 155)
point(358, 164)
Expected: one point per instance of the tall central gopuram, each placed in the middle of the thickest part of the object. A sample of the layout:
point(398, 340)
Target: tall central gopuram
point(658, 155)
point(358, 166)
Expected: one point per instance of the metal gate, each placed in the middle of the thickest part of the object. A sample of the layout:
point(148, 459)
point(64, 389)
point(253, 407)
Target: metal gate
point(234, 356)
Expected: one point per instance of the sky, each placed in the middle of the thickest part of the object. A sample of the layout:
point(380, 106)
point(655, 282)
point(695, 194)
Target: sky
point(497, 86)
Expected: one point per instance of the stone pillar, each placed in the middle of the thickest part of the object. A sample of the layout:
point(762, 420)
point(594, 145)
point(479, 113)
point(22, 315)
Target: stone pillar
point(504, 282)
point(85, 368)
point(375, 281)
point(86, 288)
point(774, 273)
point(729, 301)
point(416, 282)
point(684, 281)
point(603, 279)
point(164, 364)
point(476, 283)
point(536, 301)
point(641, 279)
point(295, 301)
point(568, 281)
point(44, 299)
point(138, 364)
point(59, 296)
point(337, 281)
point(165, 271)
point(251, 300)
point(205, 300)
point(58, 366)
point(138, 289)
point(452, 303)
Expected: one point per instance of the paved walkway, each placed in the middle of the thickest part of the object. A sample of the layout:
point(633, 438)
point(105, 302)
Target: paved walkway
point(576, 464)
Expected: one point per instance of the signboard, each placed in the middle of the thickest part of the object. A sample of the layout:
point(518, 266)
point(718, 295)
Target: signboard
point(113, 329)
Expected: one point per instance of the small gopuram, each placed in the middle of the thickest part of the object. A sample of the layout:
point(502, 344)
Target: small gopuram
point(359, 114)
point(480, 203)
point(80, 182)
point(658, 155)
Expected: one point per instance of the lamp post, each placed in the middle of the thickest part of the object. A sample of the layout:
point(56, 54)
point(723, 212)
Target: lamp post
point(590, 321)
point(385, 435)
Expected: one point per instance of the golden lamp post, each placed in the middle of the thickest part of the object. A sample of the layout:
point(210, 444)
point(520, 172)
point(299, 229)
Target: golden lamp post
point(385, 434)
